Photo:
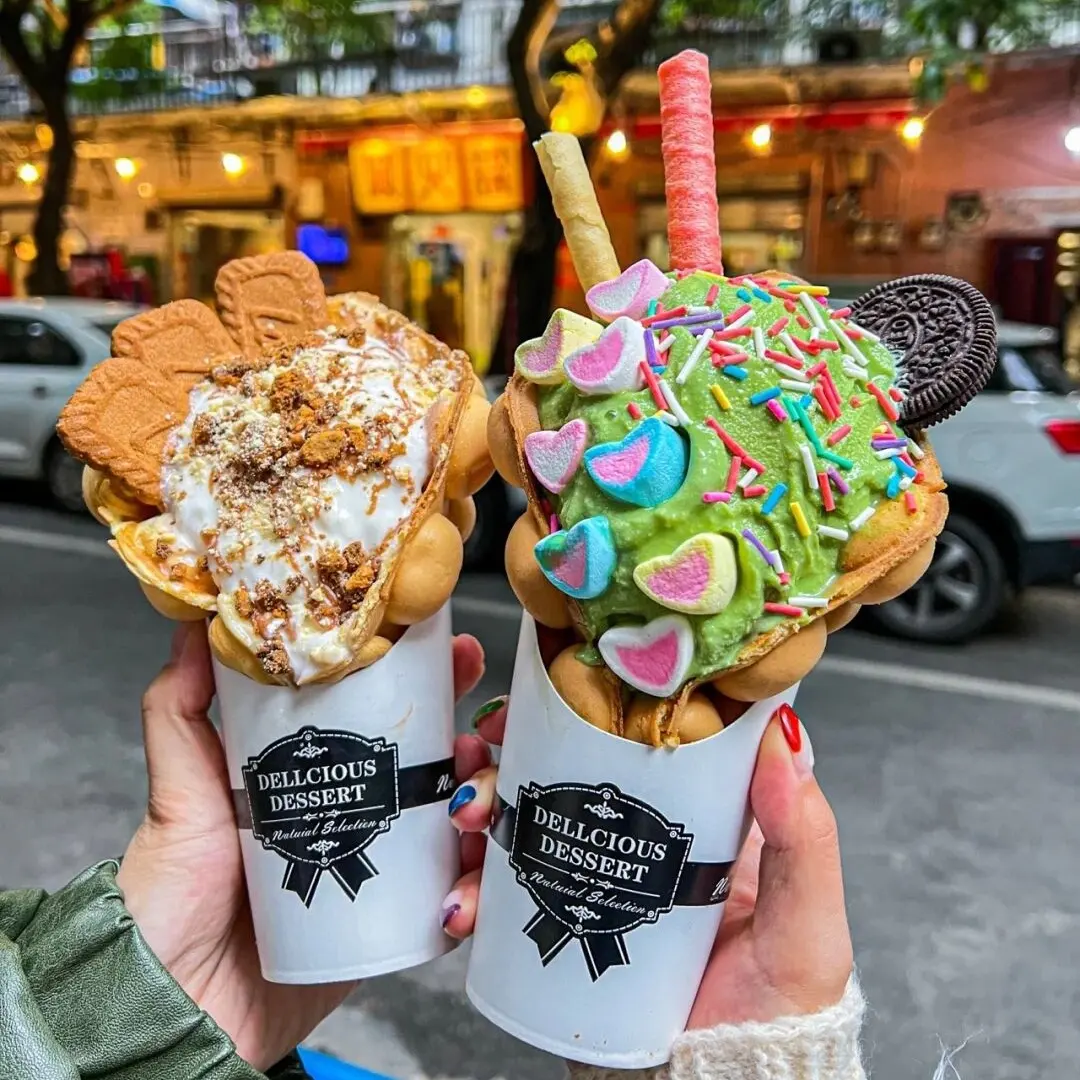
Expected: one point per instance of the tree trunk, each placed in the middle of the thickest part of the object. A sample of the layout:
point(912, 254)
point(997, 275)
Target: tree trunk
point(531, 283)
point(47, 278)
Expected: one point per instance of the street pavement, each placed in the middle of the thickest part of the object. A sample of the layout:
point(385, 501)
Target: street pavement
point(953, 772)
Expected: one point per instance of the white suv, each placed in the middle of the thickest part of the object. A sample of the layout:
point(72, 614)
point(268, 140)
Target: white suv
point(1011, 459)
point(47, 347)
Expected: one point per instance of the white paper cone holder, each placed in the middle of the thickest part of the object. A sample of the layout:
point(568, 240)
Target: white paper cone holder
point(341, 795)
point(605, 876)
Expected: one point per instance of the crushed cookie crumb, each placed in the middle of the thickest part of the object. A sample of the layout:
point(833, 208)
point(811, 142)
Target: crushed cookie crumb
point(323, 447)
point(162, 550)
point(202, 431)
point(242, 601)
point(331, 561)
point(273, 657)
point(362, 578)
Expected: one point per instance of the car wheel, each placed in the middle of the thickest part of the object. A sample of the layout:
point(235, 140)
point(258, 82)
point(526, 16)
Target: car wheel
point(958, 595)
point(63, 474)
point(485, 545)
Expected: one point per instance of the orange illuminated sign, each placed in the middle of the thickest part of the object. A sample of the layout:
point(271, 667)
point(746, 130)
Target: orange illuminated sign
point(380, 176)
point(493, 172)
point(435, 172)
point(463, 167)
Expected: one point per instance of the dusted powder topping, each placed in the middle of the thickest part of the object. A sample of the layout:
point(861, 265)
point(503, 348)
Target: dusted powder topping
point(292, 476)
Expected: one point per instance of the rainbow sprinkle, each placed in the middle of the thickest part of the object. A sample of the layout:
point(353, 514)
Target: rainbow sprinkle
point(784, 609)
point(801, 523)
point(774, 496)
point(717, 392)
point(761, 396)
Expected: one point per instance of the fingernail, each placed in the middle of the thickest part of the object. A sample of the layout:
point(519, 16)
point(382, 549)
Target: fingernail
point(450, 907)
point(802, 755)
point(494, 705)
point(462, 797)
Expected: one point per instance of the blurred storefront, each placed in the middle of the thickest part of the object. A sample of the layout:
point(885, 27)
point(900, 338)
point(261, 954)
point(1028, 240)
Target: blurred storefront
point(428, 218)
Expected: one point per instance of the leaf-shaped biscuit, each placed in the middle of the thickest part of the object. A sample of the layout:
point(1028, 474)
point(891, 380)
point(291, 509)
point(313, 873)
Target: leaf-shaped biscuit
point(266, 300)
point(179, 340)
point(119, 419)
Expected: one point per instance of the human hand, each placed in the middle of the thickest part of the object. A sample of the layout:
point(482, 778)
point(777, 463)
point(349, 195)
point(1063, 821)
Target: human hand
point(182, 875)
point(784, 948)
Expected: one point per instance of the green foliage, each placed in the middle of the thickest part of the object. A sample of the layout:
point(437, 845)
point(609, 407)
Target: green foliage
point(316, 29)
point(949, 29)
point(121, 63)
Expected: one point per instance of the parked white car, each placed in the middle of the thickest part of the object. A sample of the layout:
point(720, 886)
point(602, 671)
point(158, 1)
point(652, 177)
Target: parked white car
point(47, 347)
point(1011, 459)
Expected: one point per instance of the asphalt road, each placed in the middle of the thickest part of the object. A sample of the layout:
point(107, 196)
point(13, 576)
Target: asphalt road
point(954, 775)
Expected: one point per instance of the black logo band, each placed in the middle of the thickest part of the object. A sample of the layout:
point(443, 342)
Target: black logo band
point(598, 864)
point(318, 798)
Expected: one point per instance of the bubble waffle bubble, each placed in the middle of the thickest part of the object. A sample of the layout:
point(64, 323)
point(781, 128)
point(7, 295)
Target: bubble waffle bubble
point(298, 455)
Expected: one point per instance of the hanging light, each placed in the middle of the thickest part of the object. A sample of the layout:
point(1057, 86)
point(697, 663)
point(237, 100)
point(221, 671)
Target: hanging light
point(911, 131)
point(125, 168)
point(476, 97)
point(761, 136)
point(29, 173)
point(44, 135)
point(617, 145)
point(233, 164)
point(1072, 140)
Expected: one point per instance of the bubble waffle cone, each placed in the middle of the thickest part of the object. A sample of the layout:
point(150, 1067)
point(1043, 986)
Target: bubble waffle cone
point(718, 467)
point(288, 470)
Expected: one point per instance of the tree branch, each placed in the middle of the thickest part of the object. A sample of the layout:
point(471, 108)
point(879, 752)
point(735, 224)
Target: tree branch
point(523, 49)
point(622, 47)
point(33, 69)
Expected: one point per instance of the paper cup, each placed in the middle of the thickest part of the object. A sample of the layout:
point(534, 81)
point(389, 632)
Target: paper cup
point(606, 874)
point(341, 795)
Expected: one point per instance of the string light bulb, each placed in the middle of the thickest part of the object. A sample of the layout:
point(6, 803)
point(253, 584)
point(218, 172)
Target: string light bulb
point(29, 173)
point(617, 145)
point(911, 131)
point(125, 168)
point(761, 136)
point(233, 164)
point(1072, 140)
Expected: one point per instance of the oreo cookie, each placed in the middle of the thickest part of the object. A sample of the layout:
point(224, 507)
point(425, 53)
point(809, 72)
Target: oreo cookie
point(945, 336)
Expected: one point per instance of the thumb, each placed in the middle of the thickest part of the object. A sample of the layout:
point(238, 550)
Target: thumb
point(184, 757)
point(800, 923)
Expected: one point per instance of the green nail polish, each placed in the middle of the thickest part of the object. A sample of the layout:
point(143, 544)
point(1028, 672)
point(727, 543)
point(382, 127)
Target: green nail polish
point(488, 708)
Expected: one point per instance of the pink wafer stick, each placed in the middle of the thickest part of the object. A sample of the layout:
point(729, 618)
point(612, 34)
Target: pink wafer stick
point(689, 162)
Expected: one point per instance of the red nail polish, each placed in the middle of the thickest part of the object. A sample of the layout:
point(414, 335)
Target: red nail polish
point(789, 725)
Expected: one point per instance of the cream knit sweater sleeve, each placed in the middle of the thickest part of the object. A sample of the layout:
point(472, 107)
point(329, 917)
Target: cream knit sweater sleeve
point(823, 1046)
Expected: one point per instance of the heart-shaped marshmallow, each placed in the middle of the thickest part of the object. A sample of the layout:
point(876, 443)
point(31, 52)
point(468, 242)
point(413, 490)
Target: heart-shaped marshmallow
point(653, 658)
point(645, 468)
point(579, 561)
point(541, 359)
point(554, 456)
point(698, 577)
point(612, 362)
point(629, 293)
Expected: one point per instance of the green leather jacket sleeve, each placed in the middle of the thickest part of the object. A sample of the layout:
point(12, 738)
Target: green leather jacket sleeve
point(81, 994)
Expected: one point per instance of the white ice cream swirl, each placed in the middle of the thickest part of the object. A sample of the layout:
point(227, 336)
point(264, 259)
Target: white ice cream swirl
point(293, 479)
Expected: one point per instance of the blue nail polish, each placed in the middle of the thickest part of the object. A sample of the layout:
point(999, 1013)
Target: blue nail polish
point(448, 913)
point(462, 797)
